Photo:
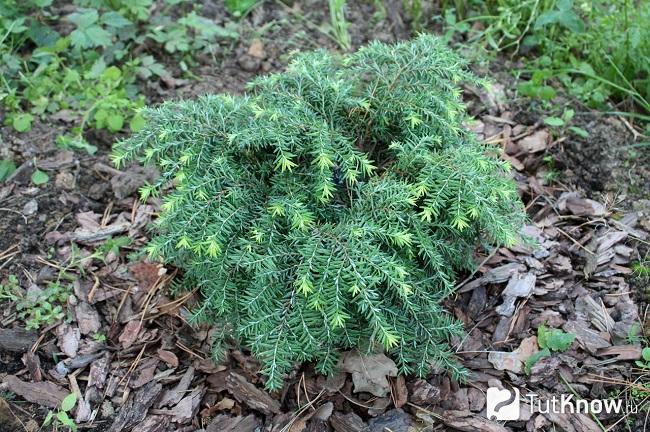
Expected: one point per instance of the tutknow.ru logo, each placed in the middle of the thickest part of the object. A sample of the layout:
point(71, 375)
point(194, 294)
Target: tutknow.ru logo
point(503, 404)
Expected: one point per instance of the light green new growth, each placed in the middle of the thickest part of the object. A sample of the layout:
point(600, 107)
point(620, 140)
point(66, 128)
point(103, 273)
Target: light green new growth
point(331, 207)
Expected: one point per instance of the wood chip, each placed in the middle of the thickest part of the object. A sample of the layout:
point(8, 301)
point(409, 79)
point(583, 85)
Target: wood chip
point(572, 203)
point(348, 422)
point(423, 393)
point(400, 392)
point(467, 421)
point(589, 339)
point(250, 395)
point(84, 236)
point(622, 352)
point(173, 396)
point(153, 423)
point(43, 393)
point(135, 409)
point(393, 420)
point(130, 333)
point(33, 364)
point(225, 423)
point(17, 339)
point(188, 407)
point(144, 373)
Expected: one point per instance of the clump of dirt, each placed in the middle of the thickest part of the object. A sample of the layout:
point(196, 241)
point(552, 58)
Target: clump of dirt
point(608, 161)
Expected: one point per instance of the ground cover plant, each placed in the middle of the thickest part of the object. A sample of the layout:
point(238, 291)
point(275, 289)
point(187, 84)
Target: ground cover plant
point(83, 67)
point(332, 206)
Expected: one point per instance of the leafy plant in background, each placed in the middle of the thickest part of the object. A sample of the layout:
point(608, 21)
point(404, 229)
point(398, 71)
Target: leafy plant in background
point(598, 51)
point(191, 33)
point(239, 7)
point(611, 58)
point(339, 24)
point(87, 78)
point(506, 23)
point(564, 121)
point(331, 207)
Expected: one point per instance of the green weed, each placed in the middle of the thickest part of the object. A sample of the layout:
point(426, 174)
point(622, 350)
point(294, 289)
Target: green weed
point(61, 418)
point(40, 308)
point(339, 24)
point(9, 289)
point(549, 340)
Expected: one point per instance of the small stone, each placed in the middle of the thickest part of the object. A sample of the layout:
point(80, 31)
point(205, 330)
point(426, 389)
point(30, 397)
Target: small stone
point(107, 410)
point(65, 180)
point(249, 63)
point(257, 49)
point(505, 361)
point(30, 207)
point(476, 399)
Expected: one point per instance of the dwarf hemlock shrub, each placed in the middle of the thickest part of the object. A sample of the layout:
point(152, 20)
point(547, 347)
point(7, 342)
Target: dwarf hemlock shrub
point(331, 207)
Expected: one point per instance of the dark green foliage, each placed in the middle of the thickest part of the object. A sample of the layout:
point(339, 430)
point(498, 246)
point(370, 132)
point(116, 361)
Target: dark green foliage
point(332, 206)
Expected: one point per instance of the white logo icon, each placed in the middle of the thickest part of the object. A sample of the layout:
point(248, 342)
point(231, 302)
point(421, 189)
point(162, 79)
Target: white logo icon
point(502, 404)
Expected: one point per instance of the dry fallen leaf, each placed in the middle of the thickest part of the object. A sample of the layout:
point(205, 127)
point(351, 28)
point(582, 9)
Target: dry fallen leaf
point(369, 373)
point(88, 221)
point(168, 357)
point(514, 361)
point(146, 274)
point(536, 142)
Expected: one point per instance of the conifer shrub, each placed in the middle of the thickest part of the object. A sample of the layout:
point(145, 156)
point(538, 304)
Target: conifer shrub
point(331, 207)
